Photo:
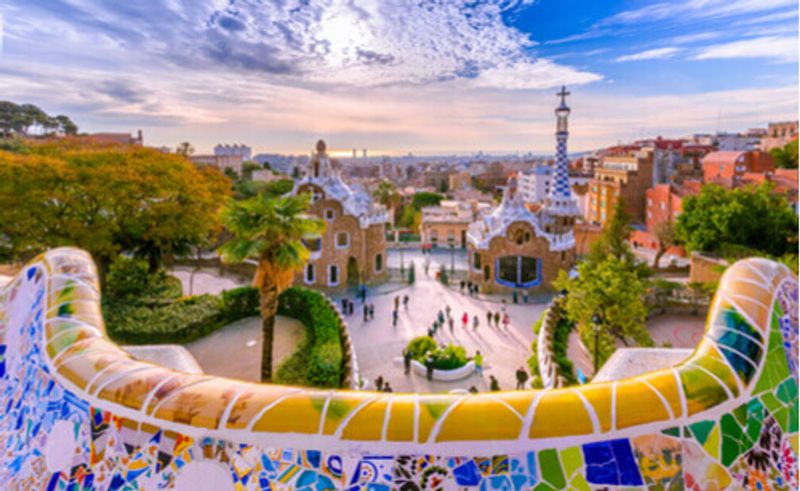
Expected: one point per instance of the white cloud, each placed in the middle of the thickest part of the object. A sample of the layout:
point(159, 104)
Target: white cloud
point(695, 9)
point(650, 54)
point(540, 74)
point(781, 48)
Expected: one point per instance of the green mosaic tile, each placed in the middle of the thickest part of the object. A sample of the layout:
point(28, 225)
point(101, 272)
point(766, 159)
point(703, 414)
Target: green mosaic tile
point(771, 402)
point(572, 460)
point(544, 487)
point(755, 419)
point(550, 469)
point(787, 391)
point(676, 432)
point(775, 367)
point(701, 430)
point(732, 436)
point(794, 421)
point(782, 417)
point(579, 483)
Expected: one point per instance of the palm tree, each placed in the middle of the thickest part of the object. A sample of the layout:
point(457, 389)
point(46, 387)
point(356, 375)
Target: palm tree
point(387, 195)
point(271, 231)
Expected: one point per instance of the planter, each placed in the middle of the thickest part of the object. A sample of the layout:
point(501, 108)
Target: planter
point(442, 375)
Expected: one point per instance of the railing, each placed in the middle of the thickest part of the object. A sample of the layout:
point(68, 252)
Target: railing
point(80, 412)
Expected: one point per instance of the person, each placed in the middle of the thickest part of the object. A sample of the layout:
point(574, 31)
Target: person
point(447, 310)
point(407, 361)
point(363, 291)
point(503, 308)
point(465, 320)
point(451, 322)
point(489, 318)
point(371, 311)
point(506, 321)
point(405, 302)
point(475, 322)
point(522, 377)
point(430, 332)
point(525, 296)
point(429, 367)
point(427, 265)
point(514, 296)
point(478, 359)
point(440, 317)
point(461, 285)
point(366, 312)
point(394, 318)
point(386, 387)
point(469, 287)
point(344, 306)
point(473, 389)
point(379, 383)
point(494, 386)
point(397, 302)
point(497, 319)
point(351, 307)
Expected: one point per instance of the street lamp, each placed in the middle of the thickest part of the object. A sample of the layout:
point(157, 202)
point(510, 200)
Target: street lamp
point(596, 322)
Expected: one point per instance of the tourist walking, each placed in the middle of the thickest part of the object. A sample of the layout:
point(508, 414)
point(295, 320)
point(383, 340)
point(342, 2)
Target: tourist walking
point(429, 367)
point(379, 383)
point(451, 322)
point(397, 302)
point(440, 317)
point(489, 318)
point(506, 321)
point(475, 322)
point(465, 320)
point(350, 307)
point(514, 296)
point(371, 311)
point(503, 307)
point(478, 359)
point(427, 265)
point(405, 302)
point(407, 361)
point(522, 377)
point(525, 296)
point(497, 319)
point(386, 387)
point(394, 318)
point(447, 310)
point(344, 306)
point(494, 386)
point(461, 286)
point(366, 312)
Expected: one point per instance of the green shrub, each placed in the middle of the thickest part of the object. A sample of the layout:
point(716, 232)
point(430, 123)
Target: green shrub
point(180, 322)
point(450, 357)
point(536, 382)
point(419, 347)
point(129, 281)
point(239, 303)
point(318, 361)
point(560, 341)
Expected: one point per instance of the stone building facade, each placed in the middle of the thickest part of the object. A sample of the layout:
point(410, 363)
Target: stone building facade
point(352, 250)
point(515, 248)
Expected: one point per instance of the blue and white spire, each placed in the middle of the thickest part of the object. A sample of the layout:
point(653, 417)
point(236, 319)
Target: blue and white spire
point(559, 200)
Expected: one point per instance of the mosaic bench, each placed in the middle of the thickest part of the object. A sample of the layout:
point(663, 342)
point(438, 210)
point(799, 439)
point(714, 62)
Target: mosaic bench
point(76, 412)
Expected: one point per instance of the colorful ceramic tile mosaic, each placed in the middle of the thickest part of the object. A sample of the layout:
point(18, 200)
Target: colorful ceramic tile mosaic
point(79, 413)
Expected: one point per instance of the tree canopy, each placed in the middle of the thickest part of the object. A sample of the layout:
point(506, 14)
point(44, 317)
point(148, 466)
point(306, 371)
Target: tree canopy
point(106, 199)
point(26, 119)
point(785, 157)
point(752, 217)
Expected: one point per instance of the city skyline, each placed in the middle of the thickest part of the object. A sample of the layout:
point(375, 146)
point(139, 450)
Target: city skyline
point(473, 77)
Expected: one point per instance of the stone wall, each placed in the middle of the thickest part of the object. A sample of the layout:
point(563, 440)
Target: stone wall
point(706, 269)
point(548, 368)
point(81, 413)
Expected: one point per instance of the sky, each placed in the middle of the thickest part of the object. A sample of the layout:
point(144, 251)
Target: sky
point(399, 76)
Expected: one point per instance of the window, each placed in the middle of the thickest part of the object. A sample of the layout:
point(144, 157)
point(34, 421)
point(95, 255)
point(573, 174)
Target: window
point(333, 275)
point(649, 214)
point(649, 202)
point(342, 240)
point(309, 274)
point(378, 263)
point(662, 206)
point(476, 261)
point(451, 236)
point(330, 214)
point(313, 245)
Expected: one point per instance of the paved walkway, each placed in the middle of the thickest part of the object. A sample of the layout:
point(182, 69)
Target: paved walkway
point(377, 343)
point(235, 350)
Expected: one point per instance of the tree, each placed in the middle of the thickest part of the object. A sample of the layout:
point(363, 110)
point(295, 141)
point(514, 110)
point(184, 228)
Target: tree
point(752, 216)
point(24, 119)
point(185, 149)
point(665, 235)
point(248, 168)
point(387, 195)
point(271, 231)
point(423, 199)
point(613, 292)
point(106, 199)
point(785, 157)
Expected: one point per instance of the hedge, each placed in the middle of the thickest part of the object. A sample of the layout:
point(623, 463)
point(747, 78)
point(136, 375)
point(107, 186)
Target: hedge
point(449, 357)
point(318, 360)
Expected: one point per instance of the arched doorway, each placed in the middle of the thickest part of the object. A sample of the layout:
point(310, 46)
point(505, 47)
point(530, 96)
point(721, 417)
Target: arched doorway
point(352, 272)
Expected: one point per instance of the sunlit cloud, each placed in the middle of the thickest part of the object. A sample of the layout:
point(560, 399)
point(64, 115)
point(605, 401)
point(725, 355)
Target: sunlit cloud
point(650, 54)
point(780, 48)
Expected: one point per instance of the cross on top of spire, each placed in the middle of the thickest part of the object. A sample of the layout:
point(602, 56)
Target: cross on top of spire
point(563, 93)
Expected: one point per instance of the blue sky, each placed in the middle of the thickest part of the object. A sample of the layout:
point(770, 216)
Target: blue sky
point(395, 76)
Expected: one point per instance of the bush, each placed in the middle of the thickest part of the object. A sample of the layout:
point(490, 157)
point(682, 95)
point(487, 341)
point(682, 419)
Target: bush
point(239, 303)
point(180, 322)
point(447, 358)
point(129, 281)
point(319, 359)
point(419, 347)
point(560, 341)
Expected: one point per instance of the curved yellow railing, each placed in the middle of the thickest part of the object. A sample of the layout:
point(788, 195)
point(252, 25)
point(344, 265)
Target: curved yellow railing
point(719, 376)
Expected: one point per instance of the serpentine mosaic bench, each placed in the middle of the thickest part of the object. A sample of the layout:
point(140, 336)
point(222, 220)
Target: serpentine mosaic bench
point(79, 413)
